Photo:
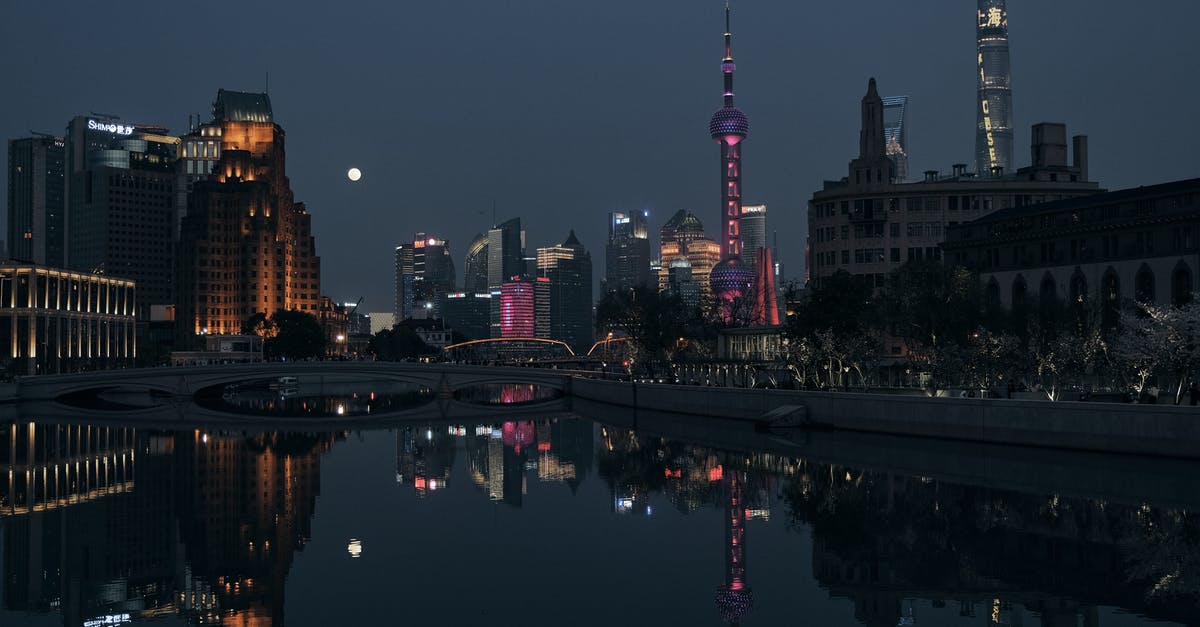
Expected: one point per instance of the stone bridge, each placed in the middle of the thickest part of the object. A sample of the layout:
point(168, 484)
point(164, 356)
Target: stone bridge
point(185, 381)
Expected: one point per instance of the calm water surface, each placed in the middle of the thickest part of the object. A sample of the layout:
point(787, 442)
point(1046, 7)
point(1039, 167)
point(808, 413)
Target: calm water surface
point(562, 520)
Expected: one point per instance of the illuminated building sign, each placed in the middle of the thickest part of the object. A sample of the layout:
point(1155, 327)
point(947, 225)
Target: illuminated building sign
point(994, 18)
point(111, 619)
point(109, 127)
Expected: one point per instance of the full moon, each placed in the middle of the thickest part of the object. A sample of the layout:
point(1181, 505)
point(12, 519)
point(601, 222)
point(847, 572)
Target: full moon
point(354, 174)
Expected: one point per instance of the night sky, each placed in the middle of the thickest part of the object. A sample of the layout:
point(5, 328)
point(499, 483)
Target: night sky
point(559, 112)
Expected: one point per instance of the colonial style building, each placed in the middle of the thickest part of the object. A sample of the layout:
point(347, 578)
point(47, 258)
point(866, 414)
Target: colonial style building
point(54, 320)
point(246, 246)
point(1141, 243)
point(868, 224)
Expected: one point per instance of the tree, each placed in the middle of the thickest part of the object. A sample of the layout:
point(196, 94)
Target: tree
point(1158, 339)
point(397, 343)
point(297, 335)
point(655, 320)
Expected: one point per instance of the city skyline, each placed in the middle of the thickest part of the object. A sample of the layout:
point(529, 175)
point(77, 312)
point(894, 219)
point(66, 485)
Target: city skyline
point(579, 138)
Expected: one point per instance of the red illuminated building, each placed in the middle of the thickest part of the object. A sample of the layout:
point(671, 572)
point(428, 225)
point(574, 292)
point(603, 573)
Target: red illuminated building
point(517, 309)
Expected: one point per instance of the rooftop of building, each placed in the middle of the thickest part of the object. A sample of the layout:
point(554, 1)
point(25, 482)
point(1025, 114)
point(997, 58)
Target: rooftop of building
point(1173, 188)
point(241, 106)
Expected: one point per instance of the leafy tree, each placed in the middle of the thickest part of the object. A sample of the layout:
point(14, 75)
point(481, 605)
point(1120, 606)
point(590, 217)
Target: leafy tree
point(399, 342)
point(289, 334)
point(655, 320)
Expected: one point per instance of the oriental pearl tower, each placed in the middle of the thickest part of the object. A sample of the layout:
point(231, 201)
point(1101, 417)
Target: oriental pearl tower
point(730, 278)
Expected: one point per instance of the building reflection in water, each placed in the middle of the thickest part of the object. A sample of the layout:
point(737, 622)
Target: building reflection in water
point(499, 457)
point(112, 524)
point(108, 521)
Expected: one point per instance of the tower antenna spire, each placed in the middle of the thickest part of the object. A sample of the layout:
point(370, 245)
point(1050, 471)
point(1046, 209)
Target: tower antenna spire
point(728, 35)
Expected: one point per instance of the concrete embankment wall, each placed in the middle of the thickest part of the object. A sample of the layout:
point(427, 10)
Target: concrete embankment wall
point(1138, 429)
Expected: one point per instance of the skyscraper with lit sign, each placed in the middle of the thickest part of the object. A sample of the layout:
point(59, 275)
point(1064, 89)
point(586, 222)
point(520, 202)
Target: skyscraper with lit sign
point(627, 255)
point(994, 132)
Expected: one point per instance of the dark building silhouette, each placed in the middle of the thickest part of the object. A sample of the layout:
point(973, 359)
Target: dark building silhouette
point(424, 276)
point(246, 245)
point(627, 254)
point(869, 225)
point(120, 197)
point(569, 270)
point(36, 201)
point(1102, 249)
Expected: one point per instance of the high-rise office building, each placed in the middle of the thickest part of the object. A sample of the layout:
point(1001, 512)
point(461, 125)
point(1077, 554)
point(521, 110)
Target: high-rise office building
point(627, 255)
point(683, 237)
point(199, 152)
point(895, 133)
point(681, 285)
point(424, 276)
point(754, 232)
point(120, 196)
point(994, 116)
point(542, 307)
point(506, 247)
point(517, 309)
point(468, 314)
point(405, 277)
point(246, 246)
point(475, 266)
point(729, 127)
point(506, 259)
point(569, 268)
point(36, 207)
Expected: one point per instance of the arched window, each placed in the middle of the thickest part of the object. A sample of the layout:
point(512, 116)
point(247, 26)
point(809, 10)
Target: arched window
point(1110, 298)
point(992, 294)
point(1048, 292)
point(1143, 285)
point(1020, 293)
point(1079, 288)
point(1181, 284)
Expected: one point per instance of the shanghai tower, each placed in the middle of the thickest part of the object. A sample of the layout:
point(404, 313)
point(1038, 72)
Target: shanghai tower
point(994, 135)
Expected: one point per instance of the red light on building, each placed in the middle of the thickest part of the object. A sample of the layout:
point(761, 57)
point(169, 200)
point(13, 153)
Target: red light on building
point(516, 309)
point(715, 474)
point(543, 446)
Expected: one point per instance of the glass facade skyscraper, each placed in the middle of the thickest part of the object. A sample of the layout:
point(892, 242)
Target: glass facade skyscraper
point(895, 133)
point(994, 132)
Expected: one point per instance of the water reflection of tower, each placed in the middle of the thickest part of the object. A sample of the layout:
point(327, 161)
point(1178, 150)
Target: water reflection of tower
point(734, 598)
point(246, 505)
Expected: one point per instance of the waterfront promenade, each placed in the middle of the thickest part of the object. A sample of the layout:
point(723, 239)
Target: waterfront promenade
point(1159, 430)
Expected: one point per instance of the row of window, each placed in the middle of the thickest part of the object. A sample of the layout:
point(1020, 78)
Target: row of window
point(964, 202)
point(1082, 250)
point(876, 255)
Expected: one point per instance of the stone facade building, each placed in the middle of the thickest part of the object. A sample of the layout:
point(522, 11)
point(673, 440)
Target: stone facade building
point(869, 225)
point(54, 320)
point(246, 245)
point(1141, 243)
